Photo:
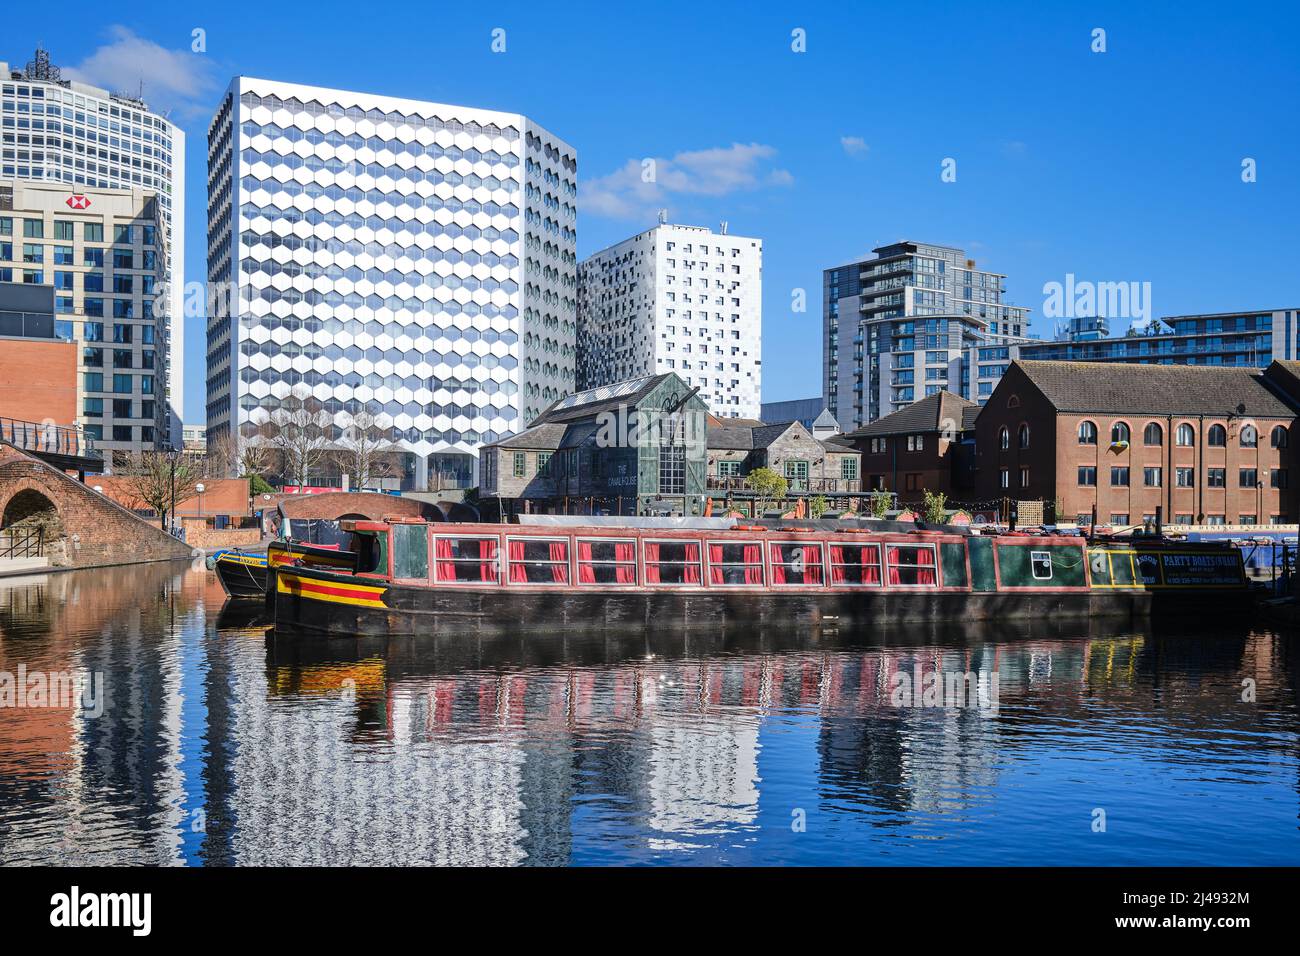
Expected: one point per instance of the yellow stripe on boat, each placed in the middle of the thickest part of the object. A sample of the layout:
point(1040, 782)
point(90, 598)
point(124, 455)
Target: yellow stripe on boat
point(357, 595)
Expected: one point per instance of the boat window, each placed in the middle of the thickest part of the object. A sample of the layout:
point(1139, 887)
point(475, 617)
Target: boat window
point(369, 548)
point(912, 565)
point(1041, 564)
point(538, 560)
point(466, 559)
point(735, 562)
point(411, 551)
point(605, 561)
point(855, 564)
point(795, 562)
point(672, 562)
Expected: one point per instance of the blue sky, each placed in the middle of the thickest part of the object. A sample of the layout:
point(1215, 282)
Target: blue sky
point(1116, 166)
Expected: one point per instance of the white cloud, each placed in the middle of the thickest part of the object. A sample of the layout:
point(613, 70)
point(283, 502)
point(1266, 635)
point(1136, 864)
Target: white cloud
point(170, 79)
point(854, 145)
point(643, 185)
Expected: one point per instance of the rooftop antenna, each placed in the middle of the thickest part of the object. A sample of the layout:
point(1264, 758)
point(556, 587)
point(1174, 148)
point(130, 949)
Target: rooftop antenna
point(722, 227)
point(663, 217)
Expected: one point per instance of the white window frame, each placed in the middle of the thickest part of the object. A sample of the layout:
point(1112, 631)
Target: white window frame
point(500, 561)
point(825, 550)
point(831, 566)
point(636, 563)
point(645, 575)
point(1034, 570)
point(708, 563)
point(569, 546)
point(933, 549)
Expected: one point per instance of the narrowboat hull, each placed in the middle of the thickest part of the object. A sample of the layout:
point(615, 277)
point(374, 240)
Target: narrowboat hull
point(320, 602)
point(250, 576)
point(243, 576)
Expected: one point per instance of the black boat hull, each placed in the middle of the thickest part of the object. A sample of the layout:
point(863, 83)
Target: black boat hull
point(318, 602)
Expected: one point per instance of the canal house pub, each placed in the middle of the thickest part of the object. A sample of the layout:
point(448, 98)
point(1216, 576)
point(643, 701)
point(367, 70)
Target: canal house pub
point(648, 445)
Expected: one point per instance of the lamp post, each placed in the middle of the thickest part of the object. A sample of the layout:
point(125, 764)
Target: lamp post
point(199, 488)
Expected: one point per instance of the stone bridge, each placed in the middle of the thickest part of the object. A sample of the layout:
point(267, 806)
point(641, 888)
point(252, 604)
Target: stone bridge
point(90, 530)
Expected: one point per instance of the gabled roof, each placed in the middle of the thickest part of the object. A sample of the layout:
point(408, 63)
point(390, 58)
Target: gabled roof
point(604, 398)
point(545, 437)
point(1121, 388)
point(825, 420)
point(942, 411)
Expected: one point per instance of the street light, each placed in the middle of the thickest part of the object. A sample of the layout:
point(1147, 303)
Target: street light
point(199, 488)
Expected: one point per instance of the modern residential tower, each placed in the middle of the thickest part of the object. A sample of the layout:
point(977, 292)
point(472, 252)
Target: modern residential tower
point(915, 320)
point(678, 299)
point(410, 260)
point(58, 130)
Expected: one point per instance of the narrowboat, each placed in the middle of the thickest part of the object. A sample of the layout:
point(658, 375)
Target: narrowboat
point(247, 575)
point(411, 577)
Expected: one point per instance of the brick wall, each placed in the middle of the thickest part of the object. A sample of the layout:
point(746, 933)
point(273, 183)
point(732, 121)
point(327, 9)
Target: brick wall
point(97, 531)
point(38, 381)
point(199, 535)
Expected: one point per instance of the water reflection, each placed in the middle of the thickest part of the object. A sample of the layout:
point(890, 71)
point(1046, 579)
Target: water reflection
point(223, 744)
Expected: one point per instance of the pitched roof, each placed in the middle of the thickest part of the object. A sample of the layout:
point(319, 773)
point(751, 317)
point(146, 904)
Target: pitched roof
point(603, 398)
point(1121, 388)
point(546, 437)
point(927, 415)
point(730, 437)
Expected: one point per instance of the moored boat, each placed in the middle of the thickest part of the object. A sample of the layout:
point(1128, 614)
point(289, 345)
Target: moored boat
point(411, 577)
point(249, 575)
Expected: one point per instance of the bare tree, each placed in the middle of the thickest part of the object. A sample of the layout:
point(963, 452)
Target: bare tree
point(301, 435)
point(365, 452)
point(240, 455)
point(157, 480)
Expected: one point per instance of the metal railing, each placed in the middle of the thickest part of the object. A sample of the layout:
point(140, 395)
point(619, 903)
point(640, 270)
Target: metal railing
point(809, 485)
point(48, 439)
point(22, 543)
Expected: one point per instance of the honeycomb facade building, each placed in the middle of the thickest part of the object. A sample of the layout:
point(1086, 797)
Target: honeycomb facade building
point(409, 260)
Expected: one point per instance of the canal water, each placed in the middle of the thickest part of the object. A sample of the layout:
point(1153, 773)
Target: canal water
point(215, 742)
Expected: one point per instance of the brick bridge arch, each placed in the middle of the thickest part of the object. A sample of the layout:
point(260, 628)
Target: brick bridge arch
point(96, 530)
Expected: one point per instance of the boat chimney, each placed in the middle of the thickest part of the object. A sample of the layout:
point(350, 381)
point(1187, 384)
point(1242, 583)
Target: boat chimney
point(1160, 522)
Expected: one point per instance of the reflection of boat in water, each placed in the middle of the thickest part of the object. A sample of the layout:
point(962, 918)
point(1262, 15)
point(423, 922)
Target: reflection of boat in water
point(412, 577)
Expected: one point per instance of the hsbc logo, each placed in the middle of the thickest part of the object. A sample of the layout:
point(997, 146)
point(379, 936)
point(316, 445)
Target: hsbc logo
point(78, 202)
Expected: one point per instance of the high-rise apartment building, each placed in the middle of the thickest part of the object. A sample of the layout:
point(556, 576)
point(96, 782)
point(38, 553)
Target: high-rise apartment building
point(65, 131)
point(410, 260)
point(678, 299)
point(915, 320)
point(1248, 338)
point(104, 254)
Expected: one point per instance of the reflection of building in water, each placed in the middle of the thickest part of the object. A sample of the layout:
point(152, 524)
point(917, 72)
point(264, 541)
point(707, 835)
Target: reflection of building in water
point(703, 762)
point(121, 769)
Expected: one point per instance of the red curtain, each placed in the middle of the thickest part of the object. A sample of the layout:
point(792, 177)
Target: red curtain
point(625, 555)
point(446, 567)
point(586, 573)
point(560, 555)
point(651, 563)
point(715, 564)
point(812, 564)
point(487, 566)
point(870, 566)
point(518, 572)
point(837, 564)
point(778, 564)
point(692, 572)
point(892, 555)
point(753, 564)
point(925, 558)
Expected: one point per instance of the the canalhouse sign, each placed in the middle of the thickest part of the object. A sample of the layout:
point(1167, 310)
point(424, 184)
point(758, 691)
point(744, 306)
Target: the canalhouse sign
point(78, 201)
